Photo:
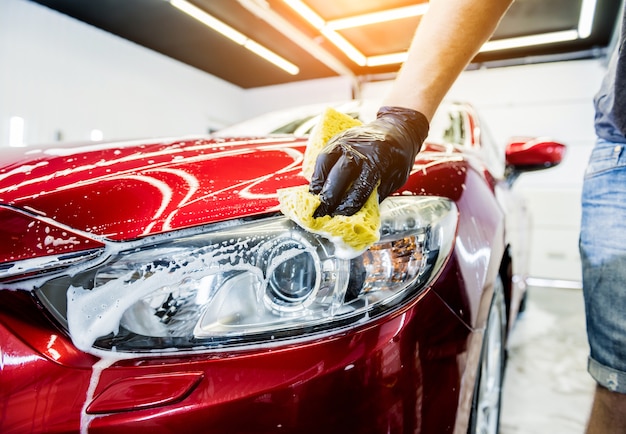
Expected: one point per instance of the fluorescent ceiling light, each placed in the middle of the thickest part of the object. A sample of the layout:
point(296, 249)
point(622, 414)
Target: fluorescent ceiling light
point(527, 41)
point(262, 11)
point(234, 35)
point(387, 59)
point(307, 13)
point(209, 21)
point(328, 29)
point(585, 21)
point(378, 17)
point(348, 49)
point(585, 24)
point(271, 57)
point(318, 22)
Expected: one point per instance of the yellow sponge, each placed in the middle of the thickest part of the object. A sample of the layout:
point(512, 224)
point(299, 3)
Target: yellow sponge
point(350, 234)
point(331, 123)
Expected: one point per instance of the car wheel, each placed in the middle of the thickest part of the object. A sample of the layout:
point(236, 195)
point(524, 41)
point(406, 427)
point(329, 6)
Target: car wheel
point(485, 416)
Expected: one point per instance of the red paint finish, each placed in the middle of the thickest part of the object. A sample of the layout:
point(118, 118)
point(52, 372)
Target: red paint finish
point(131, 191)
point(38, 394)
point(138, 393)
point(534, 152)
point(399, 374)
point(411, 370)
point(26, 236)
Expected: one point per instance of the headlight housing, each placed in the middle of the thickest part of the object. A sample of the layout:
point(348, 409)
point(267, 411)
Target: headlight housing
point(248, 282)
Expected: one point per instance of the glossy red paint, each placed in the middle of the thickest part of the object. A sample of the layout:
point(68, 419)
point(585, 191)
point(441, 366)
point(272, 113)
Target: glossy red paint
point(126, 191)
point(410, 371)
point(395, 374)
point(147, 391)
point(534, 152)
point(27, 236)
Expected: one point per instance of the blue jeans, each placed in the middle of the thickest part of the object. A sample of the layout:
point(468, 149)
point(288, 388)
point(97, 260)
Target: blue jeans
point(603, 256)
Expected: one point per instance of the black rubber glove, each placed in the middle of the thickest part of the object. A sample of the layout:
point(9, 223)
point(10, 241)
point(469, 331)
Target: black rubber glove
point(356, 160)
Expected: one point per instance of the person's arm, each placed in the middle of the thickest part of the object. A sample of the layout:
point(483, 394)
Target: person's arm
point(447, 38)
point(380, 154)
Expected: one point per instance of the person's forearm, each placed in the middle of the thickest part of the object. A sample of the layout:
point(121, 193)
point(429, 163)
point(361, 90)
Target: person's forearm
point(448, 37)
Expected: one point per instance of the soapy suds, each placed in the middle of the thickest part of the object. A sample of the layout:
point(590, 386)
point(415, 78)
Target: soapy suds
point(93, 313)
point(103, 307)
point(50, 240)
point(173, 150)
point(343, 250)
point(96, 371)
point(23, 169)
point(192, 186)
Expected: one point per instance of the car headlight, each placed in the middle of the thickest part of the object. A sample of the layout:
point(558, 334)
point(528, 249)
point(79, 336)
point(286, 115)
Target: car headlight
point(249, 282)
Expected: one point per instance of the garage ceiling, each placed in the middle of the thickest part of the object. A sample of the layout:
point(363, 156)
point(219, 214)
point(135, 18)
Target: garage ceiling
point(313, 48)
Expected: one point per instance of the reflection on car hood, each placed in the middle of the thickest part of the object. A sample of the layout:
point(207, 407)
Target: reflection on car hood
point(126, 190)
point(122, 191)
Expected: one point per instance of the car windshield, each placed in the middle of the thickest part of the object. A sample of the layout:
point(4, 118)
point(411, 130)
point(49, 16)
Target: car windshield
point(447, 126)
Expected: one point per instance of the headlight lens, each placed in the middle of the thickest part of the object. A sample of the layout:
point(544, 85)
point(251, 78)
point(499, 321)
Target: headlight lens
point(251, 283)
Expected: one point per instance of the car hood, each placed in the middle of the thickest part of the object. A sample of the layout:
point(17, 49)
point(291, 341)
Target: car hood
point(126, 190)
point(67, 198)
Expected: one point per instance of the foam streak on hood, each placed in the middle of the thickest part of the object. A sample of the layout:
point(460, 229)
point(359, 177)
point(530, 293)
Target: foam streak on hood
point(125, 191)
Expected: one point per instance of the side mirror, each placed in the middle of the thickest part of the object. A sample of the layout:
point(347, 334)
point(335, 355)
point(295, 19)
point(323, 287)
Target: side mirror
point(528, 154)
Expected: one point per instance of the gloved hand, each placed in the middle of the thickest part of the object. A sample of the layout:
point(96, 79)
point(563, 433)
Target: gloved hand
point(356, 160)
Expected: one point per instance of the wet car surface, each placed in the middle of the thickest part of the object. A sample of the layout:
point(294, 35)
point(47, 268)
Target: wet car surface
point(153, 286)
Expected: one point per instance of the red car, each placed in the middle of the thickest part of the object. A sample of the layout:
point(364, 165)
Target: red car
point(153, 286)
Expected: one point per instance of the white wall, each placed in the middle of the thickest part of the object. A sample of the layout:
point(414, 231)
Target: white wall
point(63, 76)
point(268, 98)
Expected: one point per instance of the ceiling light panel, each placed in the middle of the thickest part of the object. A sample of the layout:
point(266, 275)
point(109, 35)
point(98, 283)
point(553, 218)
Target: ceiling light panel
point(209, 21)
point(364, 35)
point(533, 17)
point(587, 14)
point(338, 9)
point(234, 35)
point(378, 17)
point(531, 40)
point(382, 38)
point(353, 31)
point(289, 30)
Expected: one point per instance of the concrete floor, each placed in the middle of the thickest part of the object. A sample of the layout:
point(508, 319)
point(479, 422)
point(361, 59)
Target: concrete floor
point(547, 388)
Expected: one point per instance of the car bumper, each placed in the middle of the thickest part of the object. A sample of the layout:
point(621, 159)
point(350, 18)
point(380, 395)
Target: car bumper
point(402, 373)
